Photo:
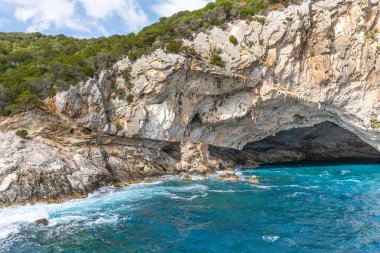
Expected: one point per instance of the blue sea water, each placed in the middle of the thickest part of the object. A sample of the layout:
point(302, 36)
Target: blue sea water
point(308, 208)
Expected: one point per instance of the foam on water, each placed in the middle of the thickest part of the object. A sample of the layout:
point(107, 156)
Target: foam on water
point(270, 238)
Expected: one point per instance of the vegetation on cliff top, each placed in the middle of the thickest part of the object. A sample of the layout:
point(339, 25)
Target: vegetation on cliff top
point(35, 66)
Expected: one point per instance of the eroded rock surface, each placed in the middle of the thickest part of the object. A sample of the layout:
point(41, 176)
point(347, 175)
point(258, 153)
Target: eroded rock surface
point(59, 161)
point(303, 65)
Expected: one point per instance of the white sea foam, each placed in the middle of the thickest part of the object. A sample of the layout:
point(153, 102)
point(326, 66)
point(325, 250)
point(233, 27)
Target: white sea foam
point(295, 194)
point(270, 238)
point(344, 172)
point(222, 191)
point(325, 173)
point(7, 230)
point(263, 186)
point(107, 220)
point(312, 187)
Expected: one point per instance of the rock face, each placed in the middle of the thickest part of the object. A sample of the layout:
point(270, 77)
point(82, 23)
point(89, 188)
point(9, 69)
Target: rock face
point(59, 161)
point(292, 68)
point(303, 65)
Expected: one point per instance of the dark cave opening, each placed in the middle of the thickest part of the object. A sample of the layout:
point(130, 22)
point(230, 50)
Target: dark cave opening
point(323, 142)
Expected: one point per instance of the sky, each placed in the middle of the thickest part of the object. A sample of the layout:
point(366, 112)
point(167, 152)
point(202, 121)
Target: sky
point(87, 18)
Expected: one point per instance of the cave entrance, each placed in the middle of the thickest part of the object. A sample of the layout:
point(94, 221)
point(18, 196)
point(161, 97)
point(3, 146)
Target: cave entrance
point(323, 142)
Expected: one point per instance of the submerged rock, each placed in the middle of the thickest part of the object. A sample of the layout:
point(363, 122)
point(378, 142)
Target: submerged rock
point(42, 222)
point(229, 176)
point(187, 177)
point(254, 180)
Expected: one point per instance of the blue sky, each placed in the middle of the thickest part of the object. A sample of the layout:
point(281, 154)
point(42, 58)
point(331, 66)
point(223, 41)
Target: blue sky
point(87, 18)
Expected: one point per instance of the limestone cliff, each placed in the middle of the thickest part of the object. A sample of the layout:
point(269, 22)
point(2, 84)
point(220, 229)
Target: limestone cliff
point(293, 67)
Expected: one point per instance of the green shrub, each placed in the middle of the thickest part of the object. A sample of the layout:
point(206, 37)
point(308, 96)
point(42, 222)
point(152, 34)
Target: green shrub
point(216, 59)
point(174, 47)
point(189, 51)
point(119, 126)
point(246, 12)
point(289, 19)
point(371, 34)
point(133, 55)
point(259, 100)
point(130, 98)
point(126, 74)
point(260, 20)
point(233, 40)
point(22, 133)
point(261, 42)
point(373, 120)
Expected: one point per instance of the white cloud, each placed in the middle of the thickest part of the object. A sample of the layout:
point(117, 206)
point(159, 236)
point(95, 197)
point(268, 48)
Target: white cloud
point(41, 15)
point(129, 10)
point(165, 8)
point(88, 17)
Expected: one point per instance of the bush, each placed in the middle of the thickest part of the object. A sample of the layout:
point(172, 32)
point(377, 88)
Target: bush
point(119, 126)
point(22, 133)
point(246, 12)
point(174, 47)
point(371, 34)
point(260, 20)
point(217, 61)
point(126, 74)
point(130, 98)
point(233, 40)
point(189, 51)
point(133, 55)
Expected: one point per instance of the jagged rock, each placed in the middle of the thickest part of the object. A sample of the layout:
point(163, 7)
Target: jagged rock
point(7, 181)
point(58, 161)
point(254, 180)
point(186, 177)
point(42, 222)
point(229, 176)
point(306, 60)
point(196, 159)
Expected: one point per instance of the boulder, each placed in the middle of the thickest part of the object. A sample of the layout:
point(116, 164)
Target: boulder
point(186, 177)
point(254, 180)
point(42, 222)
point(229, 176)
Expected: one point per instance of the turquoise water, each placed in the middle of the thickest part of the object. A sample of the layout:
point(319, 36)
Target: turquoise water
point(332, 208)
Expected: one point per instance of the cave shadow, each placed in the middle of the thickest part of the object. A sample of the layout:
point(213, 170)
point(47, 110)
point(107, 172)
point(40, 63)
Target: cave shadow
point(320, 144)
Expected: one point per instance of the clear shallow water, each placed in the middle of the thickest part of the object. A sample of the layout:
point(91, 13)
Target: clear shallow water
point(296, 209)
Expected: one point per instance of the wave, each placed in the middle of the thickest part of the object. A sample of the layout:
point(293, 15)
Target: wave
point(6, 231)
point(270, 238)
point(296, 194)
point(230, 191)
point(264, 186)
